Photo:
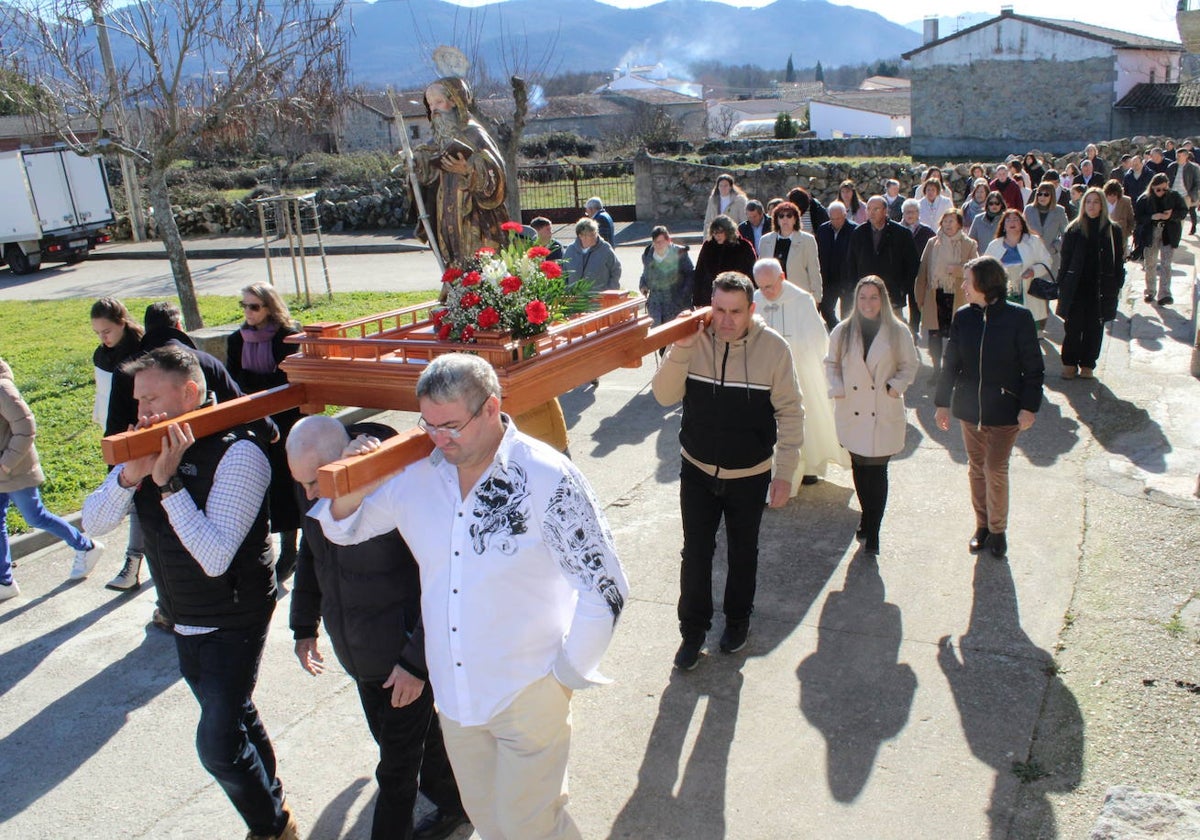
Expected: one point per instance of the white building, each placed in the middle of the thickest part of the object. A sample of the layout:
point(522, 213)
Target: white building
point(861, 113)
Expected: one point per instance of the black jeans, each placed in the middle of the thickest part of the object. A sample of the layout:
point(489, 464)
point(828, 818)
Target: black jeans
point(871, 485)
point(410, 744)
point(221, 669)
point(703, 500)
point(1083, 331)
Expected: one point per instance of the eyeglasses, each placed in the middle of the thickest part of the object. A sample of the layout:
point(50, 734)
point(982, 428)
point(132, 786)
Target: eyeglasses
point(251, 307)
point(452, 432)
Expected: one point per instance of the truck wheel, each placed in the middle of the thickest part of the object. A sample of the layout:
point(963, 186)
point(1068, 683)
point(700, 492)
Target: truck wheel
point(19, 262)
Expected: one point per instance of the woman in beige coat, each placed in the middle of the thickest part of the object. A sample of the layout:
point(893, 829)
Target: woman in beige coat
point(1120, 210)
point(726, 199)
point(871, 361)
point(939, 280)
point(20, 475)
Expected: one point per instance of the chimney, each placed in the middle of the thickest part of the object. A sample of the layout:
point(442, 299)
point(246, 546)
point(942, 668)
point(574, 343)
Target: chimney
point(931, 29)
point(1006, 11)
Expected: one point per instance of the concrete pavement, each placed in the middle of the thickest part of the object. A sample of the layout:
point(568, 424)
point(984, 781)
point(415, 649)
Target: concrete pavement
point(917, 696)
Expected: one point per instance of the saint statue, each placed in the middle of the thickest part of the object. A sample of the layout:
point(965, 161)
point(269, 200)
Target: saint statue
point(464, 170)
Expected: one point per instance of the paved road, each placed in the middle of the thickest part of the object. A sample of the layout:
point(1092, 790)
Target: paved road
point(899, 699)
point(374, 269)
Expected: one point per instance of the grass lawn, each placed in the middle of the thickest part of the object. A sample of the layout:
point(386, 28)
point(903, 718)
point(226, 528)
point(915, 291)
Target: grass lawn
point(618, 190)
point(49, 346)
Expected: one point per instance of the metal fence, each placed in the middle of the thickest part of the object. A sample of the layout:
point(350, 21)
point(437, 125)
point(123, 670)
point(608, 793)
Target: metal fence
point(558, 190)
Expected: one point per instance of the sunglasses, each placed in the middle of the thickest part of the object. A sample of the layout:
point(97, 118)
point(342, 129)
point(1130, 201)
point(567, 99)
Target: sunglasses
point(994, 204)
point(787, 215)
point(1045, 195)
point(251, 307)
point(1160, 190)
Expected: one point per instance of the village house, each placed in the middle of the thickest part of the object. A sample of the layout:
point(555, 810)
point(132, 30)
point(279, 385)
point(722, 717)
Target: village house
point(1016, 82)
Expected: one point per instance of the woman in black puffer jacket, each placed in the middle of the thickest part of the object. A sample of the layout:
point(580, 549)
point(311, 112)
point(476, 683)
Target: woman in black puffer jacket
point(991, 380)
point(1089, 279)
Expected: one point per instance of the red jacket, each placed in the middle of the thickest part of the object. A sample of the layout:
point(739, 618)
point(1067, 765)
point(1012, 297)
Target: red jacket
point(1011, 191)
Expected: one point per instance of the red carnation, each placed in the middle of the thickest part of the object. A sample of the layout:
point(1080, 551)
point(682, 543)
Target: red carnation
point(471, 278)
point(451, 274)
point(551, 269)
point(439, 315)
point(468, 332)
point(536, 312)
point(512, 227)
point(537, 252)
point(469, 299)
point(485, 252)
point(510, 284)
point(488, 318)
point(444, 332)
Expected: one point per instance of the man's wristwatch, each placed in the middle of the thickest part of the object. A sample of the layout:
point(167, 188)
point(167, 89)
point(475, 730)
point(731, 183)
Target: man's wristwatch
point(174, 485)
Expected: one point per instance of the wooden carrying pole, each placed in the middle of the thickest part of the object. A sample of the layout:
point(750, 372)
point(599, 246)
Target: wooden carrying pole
point(127, 446)
point(345, 476)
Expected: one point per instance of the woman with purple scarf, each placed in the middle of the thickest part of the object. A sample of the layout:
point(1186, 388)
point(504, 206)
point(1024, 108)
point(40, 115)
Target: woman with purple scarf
point(253, 356)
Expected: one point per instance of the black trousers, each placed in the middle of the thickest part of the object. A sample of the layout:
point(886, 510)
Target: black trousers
point(871, 485)
point(410, 748)
point(1083, 332)
point(704, 500)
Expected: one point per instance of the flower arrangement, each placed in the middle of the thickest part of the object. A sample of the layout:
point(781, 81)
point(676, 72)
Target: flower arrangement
point(517, 290)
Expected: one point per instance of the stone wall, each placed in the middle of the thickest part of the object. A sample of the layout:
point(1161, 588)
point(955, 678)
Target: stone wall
point(1173, 122)
point(993, 108)
point(373, 207)
point(669, 190)
point(735, 152)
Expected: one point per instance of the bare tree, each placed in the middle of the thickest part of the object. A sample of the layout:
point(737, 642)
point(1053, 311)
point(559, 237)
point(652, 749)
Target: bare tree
point(721, 122)
point(195, 70)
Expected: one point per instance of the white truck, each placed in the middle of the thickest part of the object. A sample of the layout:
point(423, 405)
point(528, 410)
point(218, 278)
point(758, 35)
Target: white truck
point(56, 206)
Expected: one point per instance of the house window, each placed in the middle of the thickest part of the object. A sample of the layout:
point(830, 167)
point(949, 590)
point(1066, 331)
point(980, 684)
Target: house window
point(415, 131)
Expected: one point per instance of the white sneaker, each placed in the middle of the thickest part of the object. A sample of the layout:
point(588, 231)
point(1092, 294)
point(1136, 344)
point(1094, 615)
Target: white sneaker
point(85, 561)
point(127, 579)
point(9, 591)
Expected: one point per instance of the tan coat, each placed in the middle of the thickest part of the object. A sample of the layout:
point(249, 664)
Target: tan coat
point(869, 420)
point(19, 467)
point(1122, 216)
point(941, 268)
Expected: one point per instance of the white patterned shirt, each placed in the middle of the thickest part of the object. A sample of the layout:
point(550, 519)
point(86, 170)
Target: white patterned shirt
point(518, 580)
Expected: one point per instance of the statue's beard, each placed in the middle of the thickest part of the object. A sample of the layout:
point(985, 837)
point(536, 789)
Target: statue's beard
point(445, 125)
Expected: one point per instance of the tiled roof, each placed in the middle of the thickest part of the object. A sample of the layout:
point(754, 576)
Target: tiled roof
point(769, 107)
point(655, 96)
point(894, 103)
point(1156, 96)
point(1115, 37)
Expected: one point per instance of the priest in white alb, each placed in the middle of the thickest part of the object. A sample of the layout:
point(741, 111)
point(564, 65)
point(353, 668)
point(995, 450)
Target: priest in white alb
point(792, 312)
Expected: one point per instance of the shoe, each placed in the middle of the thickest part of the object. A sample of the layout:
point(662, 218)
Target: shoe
point(162, 621)
point(998, 543)
point(688, 654)
point(979, 541)
point(1166, 300)
point(809, 479)
point(127, 579)
point(85, 561)
point(9, 590)
point(871, 547)
point(1087, 373)
point(1148, 297)
point(734, 637)
point(438, 824)
point(291, 831)
point(1069, 371)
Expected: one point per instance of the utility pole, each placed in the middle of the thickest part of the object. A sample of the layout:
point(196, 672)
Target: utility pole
point(133, 191)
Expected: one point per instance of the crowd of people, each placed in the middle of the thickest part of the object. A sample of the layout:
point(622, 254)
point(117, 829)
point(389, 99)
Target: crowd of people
point(805, 361)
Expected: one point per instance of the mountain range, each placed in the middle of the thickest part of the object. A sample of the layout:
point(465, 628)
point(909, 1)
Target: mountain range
point(392, 41)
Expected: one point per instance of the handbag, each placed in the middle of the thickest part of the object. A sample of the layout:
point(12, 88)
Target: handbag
point(1040, 287)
